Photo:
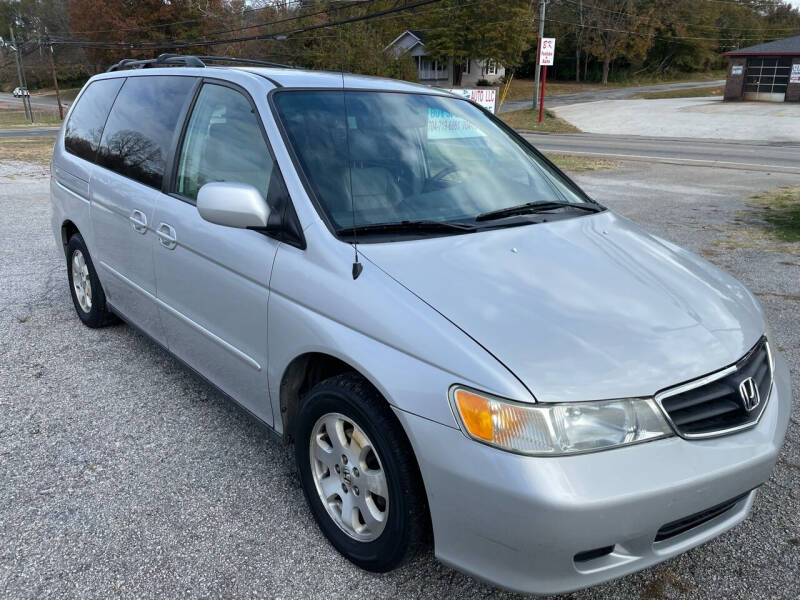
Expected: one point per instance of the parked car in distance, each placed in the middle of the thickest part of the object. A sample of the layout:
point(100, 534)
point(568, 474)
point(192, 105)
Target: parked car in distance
point(452, 333)
point(19, 92)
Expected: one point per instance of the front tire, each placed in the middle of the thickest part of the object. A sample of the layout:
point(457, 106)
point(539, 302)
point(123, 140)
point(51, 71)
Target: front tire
point(84, 285)
point(359, 474)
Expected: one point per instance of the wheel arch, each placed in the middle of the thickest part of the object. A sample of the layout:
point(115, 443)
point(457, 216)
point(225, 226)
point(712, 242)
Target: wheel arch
point(68, 229)
point(300, 375)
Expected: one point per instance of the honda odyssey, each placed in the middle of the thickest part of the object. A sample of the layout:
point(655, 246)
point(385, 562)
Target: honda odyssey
point(458, 340)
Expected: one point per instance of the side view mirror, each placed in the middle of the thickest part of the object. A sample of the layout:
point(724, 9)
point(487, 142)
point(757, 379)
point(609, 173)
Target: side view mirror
point(233, 205)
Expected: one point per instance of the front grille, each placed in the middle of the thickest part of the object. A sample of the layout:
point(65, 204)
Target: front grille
point(682, 525)
point(715, 405)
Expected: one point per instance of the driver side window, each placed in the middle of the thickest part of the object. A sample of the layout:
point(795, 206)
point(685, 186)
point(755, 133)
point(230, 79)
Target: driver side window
point(223, 142)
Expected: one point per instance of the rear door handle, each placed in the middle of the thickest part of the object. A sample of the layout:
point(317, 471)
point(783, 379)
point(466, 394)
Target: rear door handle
point(138, 221)
point(167, 237)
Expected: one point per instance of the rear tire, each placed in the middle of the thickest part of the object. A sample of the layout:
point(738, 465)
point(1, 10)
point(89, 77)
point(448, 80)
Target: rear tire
point(84, 286)
point(359, 474)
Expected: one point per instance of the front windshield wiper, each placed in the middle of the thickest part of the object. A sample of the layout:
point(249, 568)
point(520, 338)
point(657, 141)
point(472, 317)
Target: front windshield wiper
point(409, 227)
point(532, 208)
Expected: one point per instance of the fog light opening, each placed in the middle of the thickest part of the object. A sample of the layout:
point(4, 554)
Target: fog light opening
point(587, 555)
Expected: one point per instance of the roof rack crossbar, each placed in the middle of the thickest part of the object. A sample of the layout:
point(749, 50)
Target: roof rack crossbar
point(187, 60)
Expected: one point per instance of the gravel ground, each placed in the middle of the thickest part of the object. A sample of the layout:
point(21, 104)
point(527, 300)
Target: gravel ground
point(123, 475)
point(704, 117)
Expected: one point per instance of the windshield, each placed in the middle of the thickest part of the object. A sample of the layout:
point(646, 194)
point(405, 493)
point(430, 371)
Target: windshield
point(411, 158)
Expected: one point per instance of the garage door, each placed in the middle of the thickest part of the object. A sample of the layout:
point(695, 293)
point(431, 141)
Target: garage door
point(766, 78)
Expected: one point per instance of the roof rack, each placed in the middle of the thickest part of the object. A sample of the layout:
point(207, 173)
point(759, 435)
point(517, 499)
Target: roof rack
point(187, 60)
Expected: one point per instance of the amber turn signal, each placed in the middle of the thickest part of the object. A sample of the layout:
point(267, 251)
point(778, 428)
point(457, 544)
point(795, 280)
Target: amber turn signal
point(475, 413)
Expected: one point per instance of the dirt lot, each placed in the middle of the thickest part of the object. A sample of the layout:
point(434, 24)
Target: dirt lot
point(123, 475)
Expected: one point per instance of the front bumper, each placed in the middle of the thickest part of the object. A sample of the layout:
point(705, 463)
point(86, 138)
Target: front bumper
point(518, 522)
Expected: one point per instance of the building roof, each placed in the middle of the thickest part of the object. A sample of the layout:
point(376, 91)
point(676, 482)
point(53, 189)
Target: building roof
point(414, 33)
point(786, 47)
point(417, 34)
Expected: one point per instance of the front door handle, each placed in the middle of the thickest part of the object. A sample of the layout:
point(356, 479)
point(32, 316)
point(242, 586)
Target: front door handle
point(138, 221)
point(167, 237)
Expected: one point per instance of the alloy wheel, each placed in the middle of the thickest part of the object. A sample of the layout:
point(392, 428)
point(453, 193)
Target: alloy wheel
point(349, 477)
point(81, 282)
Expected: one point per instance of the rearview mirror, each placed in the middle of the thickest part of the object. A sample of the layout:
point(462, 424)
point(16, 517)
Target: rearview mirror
point(233, 205)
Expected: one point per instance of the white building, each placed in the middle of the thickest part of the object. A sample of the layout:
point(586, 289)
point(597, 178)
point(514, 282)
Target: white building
point(443, 74)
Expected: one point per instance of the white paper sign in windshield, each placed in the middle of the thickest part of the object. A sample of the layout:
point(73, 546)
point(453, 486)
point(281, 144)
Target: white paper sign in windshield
point(485, 97)
point(443, 125)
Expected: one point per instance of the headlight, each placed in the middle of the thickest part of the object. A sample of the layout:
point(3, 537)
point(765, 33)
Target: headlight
point(556, 429)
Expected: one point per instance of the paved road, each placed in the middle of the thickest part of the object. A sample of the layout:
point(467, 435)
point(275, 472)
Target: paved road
point(29, 132)
point(752, 156)
point(609, 94)
point(37, 102)
point(122, 475)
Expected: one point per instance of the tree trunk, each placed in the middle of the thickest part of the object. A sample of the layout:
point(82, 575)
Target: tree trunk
point(458, 69)
point(606, 65)
point(577, 64)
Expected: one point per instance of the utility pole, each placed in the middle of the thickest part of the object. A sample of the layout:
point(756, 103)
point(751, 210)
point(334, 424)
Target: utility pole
point(542, 5)
point(55, 83)
point(21, 77)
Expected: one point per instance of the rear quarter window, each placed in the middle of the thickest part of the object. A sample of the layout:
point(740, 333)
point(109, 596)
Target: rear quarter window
point(85, 125)
point(138, 134)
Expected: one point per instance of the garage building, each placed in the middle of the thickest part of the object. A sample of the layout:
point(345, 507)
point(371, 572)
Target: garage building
point(769, 72)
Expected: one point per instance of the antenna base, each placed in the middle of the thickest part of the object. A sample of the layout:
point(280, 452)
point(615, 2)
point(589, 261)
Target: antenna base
point(357, 268)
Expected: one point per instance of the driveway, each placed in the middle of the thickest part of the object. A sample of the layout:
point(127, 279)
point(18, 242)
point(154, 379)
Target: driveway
point(612, 93)
point(123, 475)
point(702, 118)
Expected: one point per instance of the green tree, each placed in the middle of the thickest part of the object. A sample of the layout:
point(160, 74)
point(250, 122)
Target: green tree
point(464, 29)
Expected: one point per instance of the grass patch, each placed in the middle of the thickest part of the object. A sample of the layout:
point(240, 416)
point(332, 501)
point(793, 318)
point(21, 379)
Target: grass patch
point(581, 164)
point(522, 89)
point(715, 90)
point(527, 120)
point(771, 223)
point(780, 208)
point(67, 95)
point(37, 150)
point(13, 119)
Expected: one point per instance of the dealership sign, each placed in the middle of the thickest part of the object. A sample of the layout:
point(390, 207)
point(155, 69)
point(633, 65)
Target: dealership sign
point(485, 97)
point(736, 70)
point(547, 51)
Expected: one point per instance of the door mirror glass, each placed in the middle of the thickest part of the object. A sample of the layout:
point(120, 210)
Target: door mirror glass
point(233, 205)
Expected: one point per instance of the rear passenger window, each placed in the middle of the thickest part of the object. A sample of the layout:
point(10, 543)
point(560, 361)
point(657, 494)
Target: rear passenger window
point(223, 142)
point(85, 124)
point(138, 134)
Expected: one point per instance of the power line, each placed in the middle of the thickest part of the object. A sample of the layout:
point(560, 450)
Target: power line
point(657, 37)
point(157, 45)
point(698, 25)
point(171, 23)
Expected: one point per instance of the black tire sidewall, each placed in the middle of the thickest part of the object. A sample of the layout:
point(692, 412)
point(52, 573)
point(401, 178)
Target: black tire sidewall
point(98, 315)
point(391, 547)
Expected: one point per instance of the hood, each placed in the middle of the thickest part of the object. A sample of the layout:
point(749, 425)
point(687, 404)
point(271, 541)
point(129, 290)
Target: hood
point(587, 308)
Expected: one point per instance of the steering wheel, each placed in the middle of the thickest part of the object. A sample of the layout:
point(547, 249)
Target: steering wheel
point(443, 173)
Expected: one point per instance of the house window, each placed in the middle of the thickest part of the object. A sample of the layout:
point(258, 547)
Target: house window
point(491, 67)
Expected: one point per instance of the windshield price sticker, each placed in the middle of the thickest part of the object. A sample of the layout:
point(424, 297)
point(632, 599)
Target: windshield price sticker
point(443, 125)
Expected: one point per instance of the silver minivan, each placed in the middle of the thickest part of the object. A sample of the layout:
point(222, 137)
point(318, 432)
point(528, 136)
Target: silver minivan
point(460, 343)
